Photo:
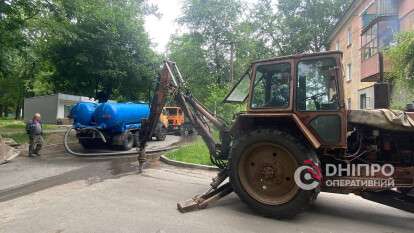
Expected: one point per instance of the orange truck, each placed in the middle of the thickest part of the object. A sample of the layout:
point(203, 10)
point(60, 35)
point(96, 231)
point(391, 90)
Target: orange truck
point(176, 120)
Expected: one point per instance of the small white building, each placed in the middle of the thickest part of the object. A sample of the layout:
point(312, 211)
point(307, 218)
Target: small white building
point(53, 108)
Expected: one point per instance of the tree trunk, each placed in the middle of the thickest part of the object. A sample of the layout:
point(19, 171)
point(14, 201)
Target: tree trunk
point(1, 110)
point(6, 111)
point(17, 112)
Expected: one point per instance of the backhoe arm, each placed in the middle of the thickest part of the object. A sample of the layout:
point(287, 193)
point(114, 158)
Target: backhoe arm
point(172, 83)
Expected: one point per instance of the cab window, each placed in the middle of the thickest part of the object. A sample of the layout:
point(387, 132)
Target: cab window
point(316, 85)
point(172, 111)
point(272, 86)
point(240, 90)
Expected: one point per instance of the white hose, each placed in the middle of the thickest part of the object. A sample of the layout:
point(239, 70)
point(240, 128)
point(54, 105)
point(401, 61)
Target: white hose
point(70, 151)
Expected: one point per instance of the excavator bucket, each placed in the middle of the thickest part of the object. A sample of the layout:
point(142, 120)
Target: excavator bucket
point(214, 194)
point(201, 202)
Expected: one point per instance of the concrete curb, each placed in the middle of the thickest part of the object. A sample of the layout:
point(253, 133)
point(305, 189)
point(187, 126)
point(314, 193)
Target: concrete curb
point(10, 158)
point(168, 161)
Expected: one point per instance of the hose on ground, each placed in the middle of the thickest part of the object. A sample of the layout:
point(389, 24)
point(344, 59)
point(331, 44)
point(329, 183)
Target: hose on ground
point(70, 151)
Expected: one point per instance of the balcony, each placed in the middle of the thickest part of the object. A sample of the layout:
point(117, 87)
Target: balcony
point(379, 9)
point(375, 38)
point(371, 68)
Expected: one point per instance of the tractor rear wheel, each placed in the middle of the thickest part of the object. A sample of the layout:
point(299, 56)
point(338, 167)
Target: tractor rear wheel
point(262, 168)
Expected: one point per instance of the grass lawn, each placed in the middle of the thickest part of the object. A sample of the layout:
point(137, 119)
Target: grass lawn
point(19, 137)
point(11, 124)
point(195, 152)
point(22, 138)
point(8, 125)
point(16, 129)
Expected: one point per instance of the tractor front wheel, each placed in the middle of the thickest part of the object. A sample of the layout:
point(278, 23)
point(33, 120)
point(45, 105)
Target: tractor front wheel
point(262, 168)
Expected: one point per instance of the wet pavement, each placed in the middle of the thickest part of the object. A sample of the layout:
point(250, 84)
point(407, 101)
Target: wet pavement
point(131, 202)
point(26, 175)
point(63, 193)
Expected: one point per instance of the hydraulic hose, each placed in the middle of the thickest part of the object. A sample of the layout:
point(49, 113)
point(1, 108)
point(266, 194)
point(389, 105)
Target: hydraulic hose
point(70, 151)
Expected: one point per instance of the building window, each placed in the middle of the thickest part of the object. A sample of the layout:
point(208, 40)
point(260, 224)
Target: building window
point(349, 72)
point(337, 46)
point(363, 101)
point(349, 103)
point(379, 8)
point(369, 42)
point(377, 36)
point(349, 36)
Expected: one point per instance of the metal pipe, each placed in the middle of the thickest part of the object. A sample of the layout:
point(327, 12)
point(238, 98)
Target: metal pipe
point(96, 130)
point(199, 125)
point(203, 110)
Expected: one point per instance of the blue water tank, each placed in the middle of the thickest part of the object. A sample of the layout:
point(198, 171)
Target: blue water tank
point(119, 117)
point(82, 114)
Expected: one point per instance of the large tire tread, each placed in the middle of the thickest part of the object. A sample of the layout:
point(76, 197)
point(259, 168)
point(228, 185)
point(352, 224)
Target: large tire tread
point(302, 200)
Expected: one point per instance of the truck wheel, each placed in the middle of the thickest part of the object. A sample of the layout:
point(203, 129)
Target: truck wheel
point(90, 144)
point(136, 139)
point(262, 168)
point(183, 131)
point(128, 142)
point(162, 134)
point(86, 144)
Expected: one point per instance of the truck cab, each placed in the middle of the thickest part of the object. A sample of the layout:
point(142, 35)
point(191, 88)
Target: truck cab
point(175, 118)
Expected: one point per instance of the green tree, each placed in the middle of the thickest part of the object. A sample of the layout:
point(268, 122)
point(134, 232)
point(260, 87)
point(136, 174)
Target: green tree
point(16, 56)
point(401, 76)
point(296, 26)
point(217, 22)
point(104, 47)
point(77, 47)
point(187, 52)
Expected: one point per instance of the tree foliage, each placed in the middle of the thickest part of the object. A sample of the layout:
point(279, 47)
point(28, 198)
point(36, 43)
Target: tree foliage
point(401, 76)
point(16, 56)
point(74, 46)
point(296, 26)
point(87, 46)
point(107, 50)
point(219, 29)
point(216, 21)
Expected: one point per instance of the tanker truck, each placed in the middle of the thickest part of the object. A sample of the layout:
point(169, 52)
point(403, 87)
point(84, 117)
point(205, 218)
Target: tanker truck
point(112, 124)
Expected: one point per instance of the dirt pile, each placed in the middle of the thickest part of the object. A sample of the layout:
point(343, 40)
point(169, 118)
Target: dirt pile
point(7, 152)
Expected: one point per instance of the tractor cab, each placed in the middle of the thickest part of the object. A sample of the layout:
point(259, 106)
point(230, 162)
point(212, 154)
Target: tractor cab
point(303, 90)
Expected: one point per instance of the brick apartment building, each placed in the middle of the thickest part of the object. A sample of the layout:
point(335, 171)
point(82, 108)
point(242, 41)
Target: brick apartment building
point(366, 28)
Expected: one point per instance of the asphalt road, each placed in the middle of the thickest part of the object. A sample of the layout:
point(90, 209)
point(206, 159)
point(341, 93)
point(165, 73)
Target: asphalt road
point(109, 196)
point(24, 171)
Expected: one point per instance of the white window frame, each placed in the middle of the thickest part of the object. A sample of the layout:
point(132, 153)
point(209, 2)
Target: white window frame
point(337, 45)
point(349, 72)
point(349, 36)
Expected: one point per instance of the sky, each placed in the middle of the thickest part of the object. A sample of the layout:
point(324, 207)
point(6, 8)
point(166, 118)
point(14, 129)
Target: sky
point(161, 29)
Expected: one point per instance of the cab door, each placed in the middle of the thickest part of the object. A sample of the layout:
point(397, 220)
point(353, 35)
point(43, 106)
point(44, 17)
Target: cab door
point(319, 98)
